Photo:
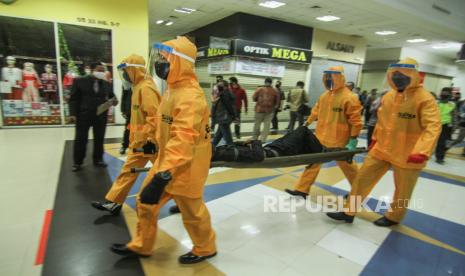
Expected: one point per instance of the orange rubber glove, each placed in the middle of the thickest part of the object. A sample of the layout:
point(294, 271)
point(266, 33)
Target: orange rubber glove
point(417, 158)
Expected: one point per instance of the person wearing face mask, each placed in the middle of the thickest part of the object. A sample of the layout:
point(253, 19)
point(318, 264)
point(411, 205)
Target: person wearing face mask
point(407, 129)
point(339, 124)
point(145, 102)
point(87, 94)
point(181, 167)
point(446, 110)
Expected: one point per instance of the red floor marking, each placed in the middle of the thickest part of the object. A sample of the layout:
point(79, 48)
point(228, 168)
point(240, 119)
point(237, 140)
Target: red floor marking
point(44, 238)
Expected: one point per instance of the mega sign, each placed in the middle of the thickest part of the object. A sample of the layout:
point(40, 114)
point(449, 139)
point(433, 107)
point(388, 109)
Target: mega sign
point(205, 53)
point(270, 51)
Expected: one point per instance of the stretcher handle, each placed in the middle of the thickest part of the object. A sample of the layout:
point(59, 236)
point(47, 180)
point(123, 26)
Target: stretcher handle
point(138, 150)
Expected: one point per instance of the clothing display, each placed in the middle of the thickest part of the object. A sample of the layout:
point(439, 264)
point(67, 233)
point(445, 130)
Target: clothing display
point(30, 84)
point(14, 77)
point(50, 87)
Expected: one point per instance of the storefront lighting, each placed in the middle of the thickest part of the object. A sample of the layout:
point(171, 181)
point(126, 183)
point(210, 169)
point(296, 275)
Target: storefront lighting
point(328, 18)
point(159, 22)
point(447, 45)
point(385, 32)
point(416, 40)
point(271, 4)
point(185, 10)
point(169, 23)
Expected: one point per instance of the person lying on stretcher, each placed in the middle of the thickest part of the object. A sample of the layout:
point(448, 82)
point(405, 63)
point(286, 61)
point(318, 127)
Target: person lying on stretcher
point(300, 141)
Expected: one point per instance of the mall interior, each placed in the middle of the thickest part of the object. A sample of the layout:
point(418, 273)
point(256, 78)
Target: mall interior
point(251, 137)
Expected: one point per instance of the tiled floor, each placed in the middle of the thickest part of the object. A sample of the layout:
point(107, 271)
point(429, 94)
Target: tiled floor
point(250, 241)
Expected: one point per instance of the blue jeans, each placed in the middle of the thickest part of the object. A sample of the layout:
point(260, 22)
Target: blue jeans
point(224, 131)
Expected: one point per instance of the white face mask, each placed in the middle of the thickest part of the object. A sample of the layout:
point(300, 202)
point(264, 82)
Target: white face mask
point(87, 71)
point(99, 75)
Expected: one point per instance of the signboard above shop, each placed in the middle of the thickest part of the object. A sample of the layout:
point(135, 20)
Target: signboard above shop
point(251, 49)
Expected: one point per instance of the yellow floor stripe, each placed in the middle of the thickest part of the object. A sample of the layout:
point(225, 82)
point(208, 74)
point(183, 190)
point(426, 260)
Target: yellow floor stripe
point(164, 260)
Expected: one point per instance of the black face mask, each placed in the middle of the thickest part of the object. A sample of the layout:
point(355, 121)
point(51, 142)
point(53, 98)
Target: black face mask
point(400, 81)
point(445, 98)
point(126, 77)
point(162, 69)
point(329, 83)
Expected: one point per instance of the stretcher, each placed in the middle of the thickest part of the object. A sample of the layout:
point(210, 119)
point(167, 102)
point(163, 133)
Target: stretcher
point(286, 161)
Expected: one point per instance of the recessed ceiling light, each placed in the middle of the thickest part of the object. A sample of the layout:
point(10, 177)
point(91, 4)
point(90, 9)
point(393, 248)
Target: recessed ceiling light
point(271, 4)
point(385, 32)
point(416, 40)
point(185, 10)
point(159, 21)
point(446, 45)
point(169, 23)
point(328, 18)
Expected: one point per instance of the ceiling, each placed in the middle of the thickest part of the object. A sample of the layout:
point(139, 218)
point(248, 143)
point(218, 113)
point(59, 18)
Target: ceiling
point(409, 18)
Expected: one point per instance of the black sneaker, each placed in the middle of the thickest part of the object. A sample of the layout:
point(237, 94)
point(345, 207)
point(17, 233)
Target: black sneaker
point(341, 216)
point(111, 207)
point(122, 150)
point(296, 193)
point(191, 258)
point(440, 161)
point(174, 209)
point(384, 222)
point(77, 168)
point(100, 164)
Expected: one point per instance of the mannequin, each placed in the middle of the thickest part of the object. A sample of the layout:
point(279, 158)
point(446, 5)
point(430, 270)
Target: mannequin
point(49, 83)
point(31, 83)
point(14, 77)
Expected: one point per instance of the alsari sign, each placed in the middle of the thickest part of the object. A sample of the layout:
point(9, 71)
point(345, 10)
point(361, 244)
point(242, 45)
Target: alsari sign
point(252, 49)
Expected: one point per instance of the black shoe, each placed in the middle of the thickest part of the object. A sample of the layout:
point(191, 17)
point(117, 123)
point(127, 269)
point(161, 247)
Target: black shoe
point(341, 216)
point(100, 164)
point(346, 196)
point(123, 250)
point(174, 209)
point(191, 258)
point(296, 193)
point(122, 150)
point(77, 168)
point(440, 161)
point(384, 222)
point(113, 208)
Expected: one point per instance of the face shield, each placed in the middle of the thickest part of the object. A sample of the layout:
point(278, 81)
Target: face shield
point(123, 74)
point(330, 78)
point(161, 56)
point(400, 76)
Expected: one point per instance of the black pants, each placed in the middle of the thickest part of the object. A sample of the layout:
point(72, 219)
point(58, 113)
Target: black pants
point(371, 129)
point(98, 125)
point(274, 121)
point(367, 116)
point(441, 146)
point(295, 116)
point(125, 143)
point(237, 126)
point(224, 131)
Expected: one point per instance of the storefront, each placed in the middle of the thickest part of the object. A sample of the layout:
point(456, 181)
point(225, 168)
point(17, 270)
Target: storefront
point(251, 62)
point(42, 52)
point(334, 49)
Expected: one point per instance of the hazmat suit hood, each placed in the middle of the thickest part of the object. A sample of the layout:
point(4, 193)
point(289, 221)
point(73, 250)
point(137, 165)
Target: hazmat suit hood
point(338, 77)
point(408, 67)
point(180, 68)
point(136, 74)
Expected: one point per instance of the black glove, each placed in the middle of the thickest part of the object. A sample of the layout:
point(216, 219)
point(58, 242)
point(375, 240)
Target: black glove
point(150, 148)
point(151, 194)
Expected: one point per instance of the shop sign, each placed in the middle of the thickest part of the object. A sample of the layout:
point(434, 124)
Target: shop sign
point(270, 51)
point(97, 22)
point(260, 68)
point(206, 53)
point(340, 47)
point(219, 43)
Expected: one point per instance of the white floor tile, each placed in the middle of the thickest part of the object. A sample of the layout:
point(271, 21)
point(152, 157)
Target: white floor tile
point(350, 247)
